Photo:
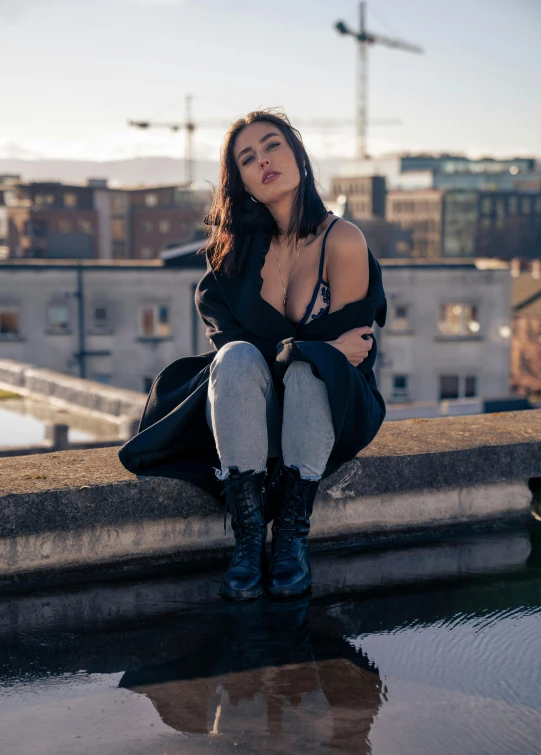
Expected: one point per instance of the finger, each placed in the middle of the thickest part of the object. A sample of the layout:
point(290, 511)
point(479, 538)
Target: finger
point(364, 329)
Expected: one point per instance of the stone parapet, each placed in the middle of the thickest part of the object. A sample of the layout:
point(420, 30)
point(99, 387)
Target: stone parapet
point(80, 515)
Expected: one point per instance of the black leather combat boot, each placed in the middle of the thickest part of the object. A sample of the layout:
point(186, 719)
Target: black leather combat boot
point(290, 569)
point(244, 499)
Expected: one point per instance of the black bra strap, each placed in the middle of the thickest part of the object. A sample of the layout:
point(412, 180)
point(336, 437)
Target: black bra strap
point(322, 258)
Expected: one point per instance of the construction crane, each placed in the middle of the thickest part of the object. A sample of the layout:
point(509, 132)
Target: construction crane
point(365, 38)
point(190, 126)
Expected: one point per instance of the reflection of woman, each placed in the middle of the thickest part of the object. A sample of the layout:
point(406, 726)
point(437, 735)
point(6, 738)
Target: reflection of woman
point(288, 299)
point(264, 656)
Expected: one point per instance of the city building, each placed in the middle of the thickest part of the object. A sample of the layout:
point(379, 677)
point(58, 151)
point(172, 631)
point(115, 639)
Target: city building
point(447, 335)
point(459, 223)
point(526, 332)
point(52, 220)
point(365, 195)
point(161, 216)
point(117, 322)
point(448, 172)
point(121, 322)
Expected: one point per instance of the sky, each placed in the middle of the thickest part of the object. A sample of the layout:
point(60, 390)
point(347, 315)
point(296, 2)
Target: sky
point(73, 72)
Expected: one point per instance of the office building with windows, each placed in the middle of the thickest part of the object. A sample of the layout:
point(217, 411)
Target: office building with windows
point(447, 334)
point(52, 220)
point(448, 330)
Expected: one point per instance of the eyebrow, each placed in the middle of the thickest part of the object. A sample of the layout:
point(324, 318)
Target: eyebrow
point(263, 139)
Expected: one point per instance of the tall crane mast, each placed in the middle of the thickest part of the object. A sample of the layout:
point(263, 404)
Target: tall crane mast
point(189, 125)
point(365, 38)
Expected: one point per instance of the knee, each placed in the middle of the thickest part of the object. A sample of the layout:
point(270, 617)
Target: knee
point(298, 372)
point(237, 357)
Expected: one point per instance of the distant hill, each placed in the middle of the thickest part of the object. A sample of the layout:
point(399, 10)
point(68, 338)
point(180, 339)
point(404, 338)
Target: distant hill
point(142, 170)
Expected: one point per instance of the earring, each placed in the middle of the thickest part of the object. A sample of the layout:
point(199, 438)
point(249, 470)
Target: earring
point(253, 198)
point(305, 171)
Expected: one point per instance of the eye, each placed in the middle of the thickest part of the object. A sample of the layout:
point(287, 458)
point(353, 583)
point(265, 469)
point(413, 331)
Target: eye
point(271, 146)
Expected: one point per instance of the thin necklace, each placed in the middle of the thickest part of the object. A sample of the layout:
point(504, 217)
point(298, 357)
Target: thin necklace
point(299, 247)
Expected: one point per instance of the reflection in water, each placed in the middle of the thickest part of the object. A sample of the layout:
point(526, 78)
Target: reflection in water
point(264, 652)
point(456, 643)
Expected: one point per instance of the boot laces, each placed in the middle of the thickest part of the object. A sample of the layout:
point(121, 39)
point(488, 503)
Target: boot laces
point(292, 522)
point(245, 526)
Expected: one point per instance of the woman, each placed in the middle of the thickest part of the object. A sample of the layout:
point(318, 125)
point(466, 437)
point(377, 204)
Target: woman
point(288, 394)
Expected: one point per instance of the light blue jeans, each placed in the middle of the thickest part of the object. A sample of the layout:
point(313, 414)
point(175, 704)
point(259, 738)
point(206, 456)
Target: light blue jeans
point(250, 423)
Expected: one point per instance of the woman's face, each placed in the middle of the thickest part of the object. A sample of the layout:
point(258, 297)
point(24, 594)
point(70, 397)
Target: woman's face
point(260, 149)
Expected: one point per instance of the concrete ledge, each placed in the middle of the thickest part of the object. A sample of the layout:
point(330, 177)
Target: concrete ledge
point(67, 391)
point(76, 511)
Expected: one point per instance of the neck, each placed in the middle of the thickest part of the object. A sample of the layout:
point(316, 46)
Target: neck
point(281, 212)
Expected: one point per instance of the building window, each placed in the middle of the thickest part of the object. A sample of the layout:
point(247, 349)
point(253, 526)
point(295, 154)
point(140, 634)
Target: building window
point(400, 318)
point(147, 253)
point(400, 386)
point(148, 226)
point(44, 199)
point(63, 226)
point(118, 203)
point(154, 321)
point(151, 200)
point(118, 230)
point(9, 323)
point(448, 386)
point(147, 383)
point(100, 317)
point(35, 229)
point(84, 225)
point(537, 204)
point(470, 386)
point(70, 200)
point(526, 205)
point(164, 226)
point(57, 318)
point(458, 319)
point(512, 204)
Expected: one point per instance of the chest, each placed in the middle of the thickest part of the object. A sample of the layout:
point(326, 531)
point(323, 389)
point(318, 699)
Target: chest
point(302, 288)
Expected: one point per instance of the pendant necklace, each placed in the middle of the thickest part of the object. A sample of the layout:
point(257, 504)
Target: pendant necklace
point(299, 247)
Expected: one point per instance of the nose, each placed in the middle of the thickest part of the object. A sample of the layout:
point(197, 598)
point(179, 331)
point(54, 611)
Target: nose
point(264, 161)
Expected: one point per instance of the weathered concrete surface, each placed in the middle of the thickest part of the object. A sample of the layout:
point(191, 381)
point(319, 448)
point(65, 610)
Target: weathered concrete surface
point(83, 510)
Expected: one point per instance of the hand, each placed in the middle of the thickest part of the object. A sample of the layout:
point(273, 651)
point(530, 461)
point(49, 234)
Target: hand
point(353, 345)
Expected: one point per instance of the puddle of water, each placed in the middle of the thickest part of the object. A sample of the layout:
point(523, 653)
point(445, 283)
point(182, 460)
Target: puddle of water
point(23, 422)
point(441, 656)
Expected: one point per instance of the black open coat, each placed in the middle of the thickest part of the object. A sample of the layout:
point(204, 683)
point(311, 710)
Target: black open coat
point(174, 439)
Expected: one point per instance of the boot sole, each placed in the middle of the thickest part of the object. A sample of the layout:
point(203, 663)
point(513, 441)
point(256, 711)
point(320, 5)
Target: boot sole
point(240, 594)
point(285, 593)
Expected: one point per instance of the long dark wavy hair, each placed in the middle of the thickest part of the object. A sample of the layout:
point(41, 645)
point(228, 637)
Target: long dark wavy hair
point(233, 216)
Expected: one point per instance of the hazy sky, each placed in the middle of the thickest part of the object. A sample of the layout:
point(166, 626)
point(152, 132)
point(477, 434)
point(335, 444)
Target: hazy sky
point(72, 73)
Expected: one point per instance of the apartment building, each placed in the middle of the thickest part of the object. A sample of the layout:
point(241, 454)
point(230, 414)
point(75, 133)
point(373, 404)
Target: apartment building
point(365, 195)
point(461, 223)
point(448, 330)
point(52, 220)
point(117, 322)
point(526, 331)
